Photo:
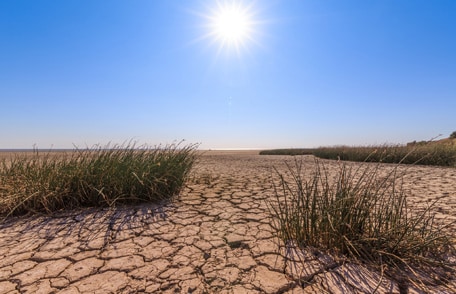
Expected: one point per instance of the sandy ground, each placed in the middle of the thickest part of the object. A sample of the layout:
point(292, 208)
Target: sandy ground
point(215, 238)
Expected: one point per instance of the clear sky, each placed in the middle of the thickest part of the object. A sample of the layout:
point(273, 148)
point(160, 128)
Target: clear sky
point(299, 73)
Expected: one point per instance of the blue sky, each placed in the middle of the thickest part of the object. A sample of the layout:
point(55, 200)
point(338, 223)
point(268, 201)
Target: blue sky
point(312, 73)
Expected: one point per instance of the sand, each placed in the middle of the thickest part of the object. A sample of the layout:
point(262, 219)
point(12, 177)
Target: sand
point(215, 238)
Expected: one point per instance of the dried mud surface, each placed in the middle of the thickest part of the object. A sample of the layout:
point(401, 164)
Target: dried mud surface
point(215, 238)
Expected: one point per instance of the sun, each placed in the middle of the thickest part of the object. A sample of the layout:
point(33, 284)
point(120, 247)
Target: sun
point(231, 25)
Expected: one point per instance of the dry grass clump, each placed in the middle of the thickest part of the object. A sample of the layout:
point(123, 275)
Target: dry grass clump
point(100, 176)
point(361, 213)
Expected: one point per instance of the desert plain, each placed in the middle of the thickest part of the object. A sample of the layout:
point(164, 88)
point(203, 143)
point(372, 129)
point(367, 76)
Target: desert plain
point(215, 237)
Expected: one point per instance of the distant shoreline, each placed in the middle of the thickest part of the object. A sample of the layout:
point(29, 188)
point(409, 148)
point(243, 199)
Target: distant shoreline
point(35, 150)
point(72, 149)
point(208, 151)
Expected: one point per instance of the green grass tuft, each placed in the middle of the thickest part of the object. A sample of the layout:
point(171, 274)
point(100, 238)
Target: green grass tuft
point(361, 213)
point(100, 176)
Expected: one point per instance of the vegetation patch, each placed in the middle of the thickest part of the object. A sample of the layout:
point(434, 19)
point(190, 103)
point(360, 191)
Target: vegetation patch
point(98, 176)
point(291, 151)
point(439, 153)
point(443, 154)
point(362, 213)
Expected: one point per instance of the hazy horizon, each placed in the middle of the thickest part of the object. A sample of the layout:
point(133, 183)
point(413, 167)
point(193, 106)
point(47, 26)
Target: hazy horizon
point(226, 74)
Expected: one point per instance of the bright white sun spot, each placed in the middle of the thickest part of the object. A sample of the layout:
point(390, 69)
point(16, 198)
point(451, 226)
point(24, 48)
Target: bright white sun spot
point(231, 24)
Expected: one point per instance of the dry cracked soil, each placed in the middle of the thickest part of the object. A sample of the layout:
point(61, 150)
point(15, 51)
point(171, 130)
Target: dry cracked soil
point(216, 237)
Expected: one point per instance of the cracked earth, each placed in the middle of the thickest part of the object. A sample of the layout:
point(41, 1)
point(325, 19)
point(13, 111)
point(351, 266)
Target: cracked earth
point(215, 237)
